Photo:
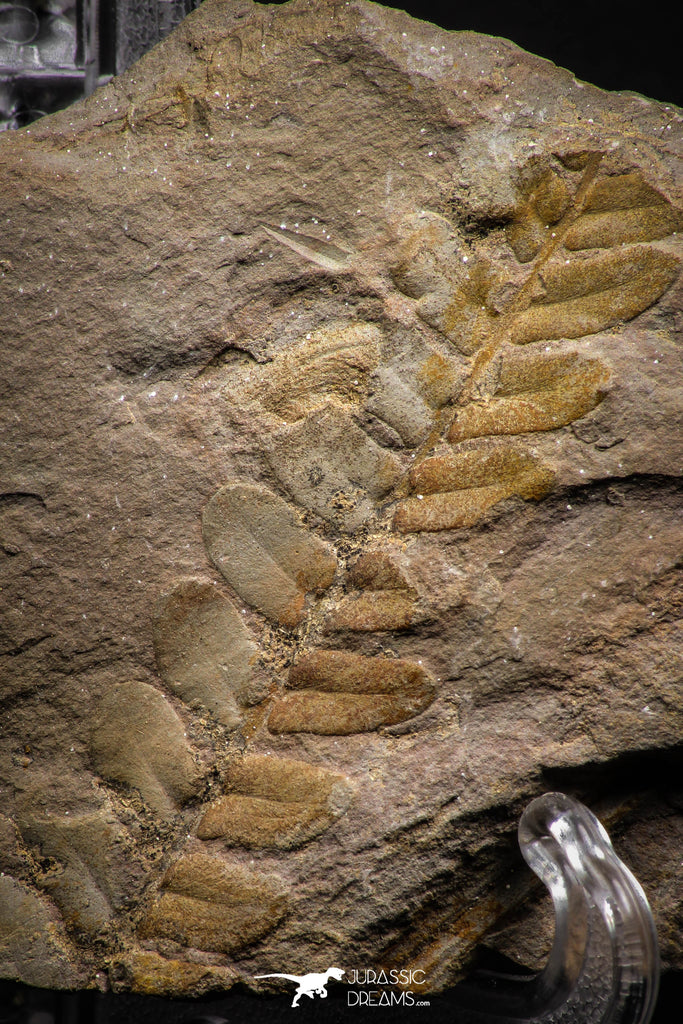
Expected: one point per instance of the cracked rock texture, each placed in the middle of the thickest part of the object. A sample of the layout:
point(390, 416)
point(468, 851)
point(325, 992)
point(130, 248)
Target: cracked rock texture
point(340, 508)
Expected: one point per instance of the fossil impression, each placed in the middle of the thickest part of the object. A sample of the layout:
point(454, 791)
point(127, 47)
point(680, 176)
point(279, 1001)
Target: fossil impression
point(342, 514)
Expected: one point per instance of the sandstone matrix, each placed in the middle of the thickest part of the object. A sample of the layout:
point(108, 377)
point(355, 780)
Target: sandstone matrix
point(339, 502)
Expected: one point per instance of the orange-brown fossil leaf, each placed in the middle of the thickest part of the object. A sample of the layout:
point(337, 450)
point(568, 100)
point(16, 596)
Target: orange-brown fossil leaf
point(372, 612)
point(213, 905)
point(456, 489)
point(337, 693)
point(275, 803)
point(621, 209)
point(540, 392)
point(593, 293)
point(382, 598)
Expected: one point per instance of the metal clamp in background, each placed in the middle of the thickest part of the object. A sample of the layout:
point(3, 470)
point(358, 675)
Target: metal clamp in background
point(53, 52)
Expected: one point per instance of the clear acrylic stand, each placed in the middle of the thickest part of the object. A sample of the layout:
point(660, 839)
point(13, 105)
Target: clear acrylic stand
point(604, 964)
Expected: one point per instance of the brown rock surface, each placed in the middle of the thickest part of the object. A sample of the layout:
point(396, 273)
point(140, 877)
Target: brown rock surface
point(392, 312)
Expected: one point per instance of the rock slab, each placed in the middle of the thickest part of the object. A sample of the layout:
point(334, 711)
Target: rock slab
point(340, 508)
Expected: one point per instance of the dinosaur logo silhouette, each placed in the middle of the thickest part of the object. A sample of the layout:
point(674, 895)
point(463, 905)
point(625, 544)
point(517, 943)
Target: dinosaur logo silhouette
point(309, 984)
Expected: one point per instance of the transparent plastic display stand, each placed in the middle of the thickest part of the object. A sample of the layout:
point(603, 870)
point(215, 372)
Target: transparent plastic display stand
point(52, 52)
point(604, 964)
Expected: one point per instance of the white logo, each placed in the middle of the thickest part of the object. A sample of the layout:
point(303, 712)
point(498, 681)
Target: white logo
point(309, 984)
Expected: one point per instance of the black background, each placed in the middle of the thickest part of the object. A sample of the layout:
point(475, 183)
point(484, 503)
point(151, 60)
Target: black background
point(20, 1005)
point(621, 46)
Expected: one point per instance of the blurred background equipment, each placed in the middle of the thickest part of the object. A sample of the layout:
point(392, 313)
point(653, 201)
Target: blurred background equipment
point(53, 52)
